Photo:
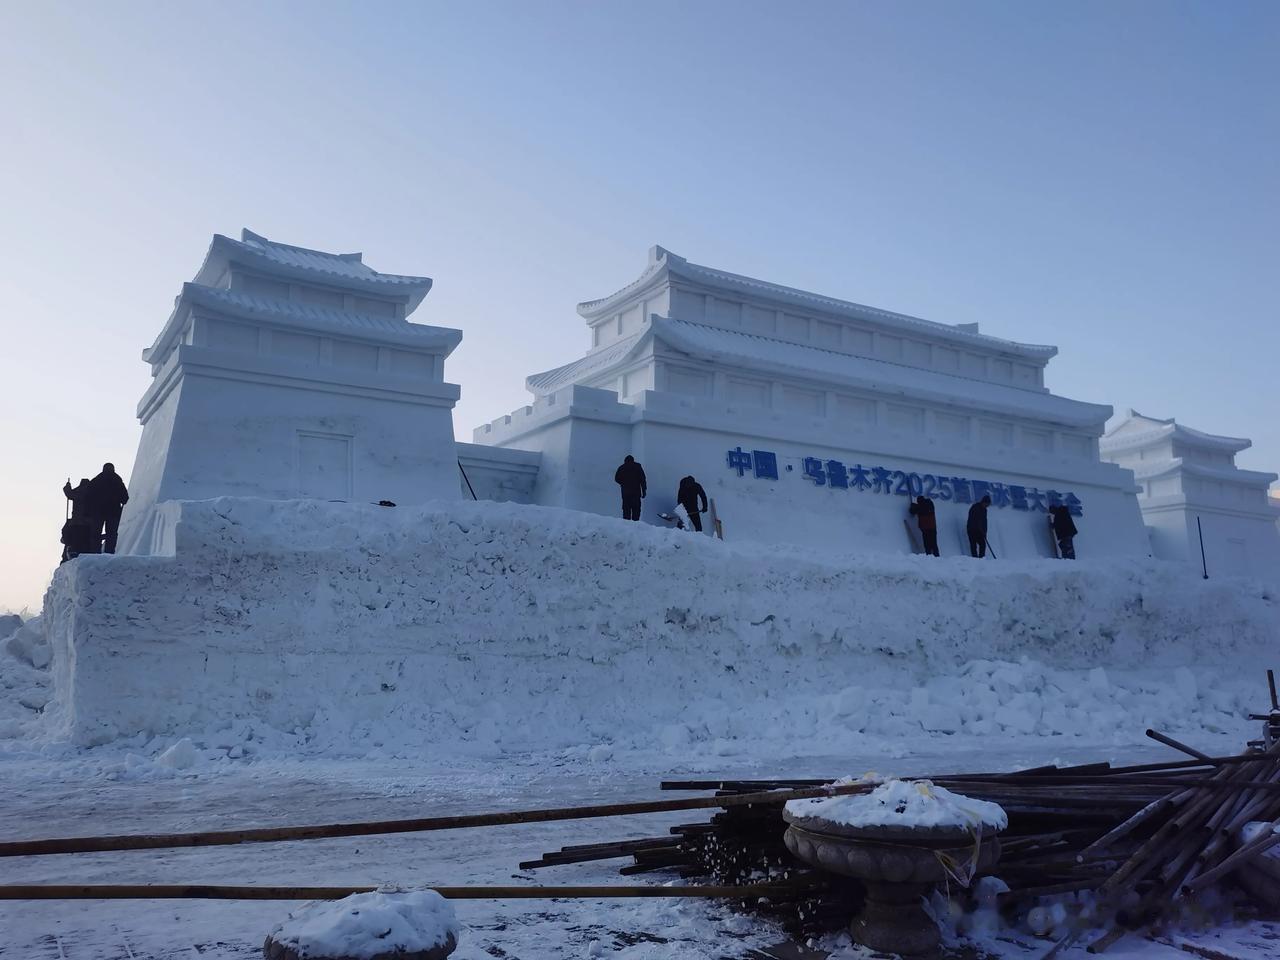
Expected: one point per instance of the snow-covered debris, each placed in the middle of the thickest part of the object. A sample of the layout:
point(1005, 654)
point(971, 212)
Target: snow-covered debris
point(27, 642)
point(9, 624)
point(903, 803)
point(1256, 828)
point(25, 682)
point(366, 925)
point(180, 756)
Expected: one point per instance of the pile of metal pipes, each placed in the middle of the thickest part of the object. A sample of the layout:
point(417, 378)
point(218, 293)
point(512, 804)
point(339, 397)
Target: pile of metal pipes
point(1143, 839)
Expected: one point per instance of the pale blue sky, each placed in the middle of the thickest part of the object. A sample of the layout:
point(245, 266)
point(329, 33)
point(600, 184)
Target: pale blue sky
point(1102, 176)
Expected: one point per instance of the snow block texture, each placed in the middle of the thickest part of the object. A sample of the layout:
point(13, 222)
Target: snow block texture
point(487, 627)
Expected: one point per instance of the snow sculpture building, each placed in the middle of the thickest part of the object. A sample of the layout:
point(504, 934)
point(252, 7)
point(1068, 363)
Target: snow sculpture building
point(285, 372)
point(1192, 491)
point(812, 420)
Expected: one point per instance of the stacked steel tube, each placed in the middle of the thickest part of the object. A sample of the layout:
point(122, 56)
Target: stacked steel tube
point(1144, 840)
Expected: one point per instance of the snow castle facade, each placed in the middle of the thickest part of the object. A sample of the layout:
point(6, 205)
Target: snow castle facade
point(288, 373)
point(291, 373)
point(1194, 497)
point(812, 420)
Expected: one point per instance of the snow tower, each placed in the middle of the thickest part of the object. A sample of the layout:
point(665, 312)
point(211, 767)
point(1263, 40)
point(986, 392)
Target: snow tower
point(285, 372)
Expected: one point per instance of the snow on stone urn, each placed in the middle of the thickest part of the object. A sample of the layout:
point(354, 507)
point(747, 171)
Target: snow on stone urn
point(388, 924)
point(898, 840)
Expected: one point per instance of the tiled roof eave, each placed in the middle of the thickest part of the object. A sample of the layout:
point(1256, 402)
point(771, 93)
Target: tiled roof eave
point(653, 276)
point(670, 266)
point(1164, 468)
point(1131, 441)
point(944, 331)
point(319, 320)
point(1012, 400)
point(593, 364)
point(344, 273)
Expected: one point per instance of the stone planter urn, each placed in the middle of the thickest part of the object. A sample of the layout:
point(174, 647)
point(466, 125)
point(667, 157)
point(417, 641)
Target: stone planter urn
point(898, 866)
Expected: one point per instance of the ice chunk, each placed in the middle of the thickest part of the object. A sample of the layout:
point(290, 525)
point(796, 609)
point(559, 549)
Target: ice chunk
point(180, 756)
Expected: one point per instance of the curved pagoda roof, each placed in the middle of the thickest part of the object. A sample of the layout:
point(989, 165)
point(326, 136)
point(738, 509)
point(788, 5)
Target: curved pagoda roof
point(820, 366)
point(281, 261)
point(665, 266)
point(1137, 430)
point(346, 271)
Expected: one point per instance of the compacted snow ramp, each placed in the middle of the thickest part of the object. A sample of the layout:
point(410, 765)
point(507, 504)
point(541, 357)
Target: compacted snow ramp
point(485, 626)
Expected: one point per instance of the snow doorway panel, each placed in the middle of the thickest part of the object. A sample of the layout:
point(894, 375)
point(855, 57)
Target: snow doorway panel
point(324, 466)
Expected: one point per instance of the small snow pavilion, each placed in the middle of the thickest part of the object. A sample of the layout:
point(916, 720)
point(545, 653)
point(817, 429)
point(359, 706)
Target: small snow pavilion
point(1193, 493)
point(285, 372)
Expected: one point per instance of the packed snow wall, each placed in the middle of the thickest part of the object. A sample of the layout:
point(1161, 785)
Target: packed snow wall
point(493, 626)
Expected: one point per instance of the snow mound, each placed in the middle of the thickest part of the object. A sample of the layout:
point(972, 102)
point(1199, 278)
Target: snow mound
point(304, 626)
point(903, 803)
point(25, 683)
point(368, 925)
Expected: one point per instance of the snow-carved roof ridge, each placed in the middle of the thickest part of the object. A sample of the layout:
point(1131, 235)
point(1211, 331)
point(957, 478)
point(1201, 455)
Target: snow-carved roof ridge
point(257, 239)
point(1150, 470)
point(1161, 429)
point(597, 361)
point(338, 264)
point(270, 307)
point(345, 271)
point(659, 261)
point(814, 363)
point(664, 264)
point(818, 363)
point(313, 317)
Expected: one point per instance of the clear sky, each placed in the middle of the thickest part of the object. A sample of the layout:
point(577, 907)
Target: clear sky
point(1102, 176)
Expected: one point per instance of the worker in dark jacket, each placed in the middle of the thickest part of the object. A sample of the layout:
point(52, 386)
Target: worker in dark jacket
point(1064, 528)
point(927, 520)
point(976, 527)
point(109, 496)
point(78, 533)
point(689, 496)
point(630, 477)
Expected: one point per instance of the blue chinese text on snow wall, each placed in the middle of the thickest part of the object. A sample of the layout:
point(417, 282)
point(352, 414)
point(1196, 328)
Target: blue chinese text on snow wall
point(763, 465)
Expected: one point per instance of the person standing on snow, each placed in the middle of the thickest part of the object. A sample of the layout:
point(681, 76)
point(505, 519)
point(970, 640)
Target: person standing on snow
point(976, 528)
point(927, 520)
point(630, 477)
point(688, 496)
point(109, 496)
point(78, 533)
point(1064, 528)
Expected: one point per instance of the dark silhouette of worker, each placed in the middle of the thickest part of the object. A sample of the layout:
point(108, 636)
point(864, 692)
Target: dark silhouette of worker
point(108, 495)
point(689, 496)
point(927, 520)
point(1064, 528)
point(630, 477)
point(976, 527)
point(79, 533)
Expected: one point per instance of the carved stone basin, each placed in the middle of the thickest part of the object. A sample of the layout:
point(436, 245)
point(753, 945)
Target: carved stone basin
point(898, 866)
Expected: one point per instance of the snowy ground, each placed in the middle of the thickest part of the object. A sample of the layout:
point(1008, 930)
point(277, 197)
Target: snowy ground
point(46, 796)
point(302, 662)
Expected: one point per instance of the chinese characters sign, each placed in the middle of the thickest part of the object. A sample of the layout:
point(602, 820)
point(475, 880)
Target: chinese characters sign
point(763, 465)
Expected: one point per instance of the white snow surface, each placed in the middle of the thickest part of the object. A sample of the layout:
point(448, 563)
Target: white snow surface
point(904, 803)
point(483, 629)
point(305, 662)
point(1254, 829)
point(367, 925)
